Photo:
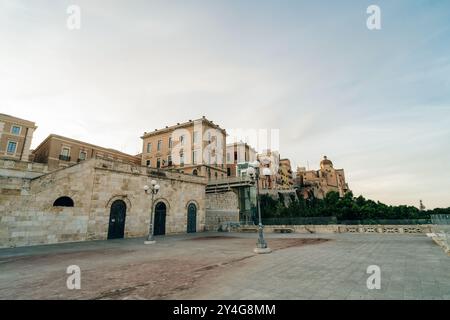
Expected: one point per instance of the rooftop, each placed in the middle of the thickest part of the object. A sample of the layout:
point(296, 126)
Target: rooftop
point(183, 125)
point(7, 117)
point(233, 144)
point(83, 143)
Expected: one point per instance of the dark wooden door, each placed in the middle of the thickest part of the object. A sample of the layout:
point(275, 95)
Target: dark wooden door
point(192, 218)
point(117, 217)
point(160, 219)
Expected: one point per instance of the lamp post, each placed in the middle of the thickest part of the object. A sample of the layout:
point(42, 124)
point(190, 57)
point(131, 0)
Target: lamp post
point(254, 173)
point(153, 189)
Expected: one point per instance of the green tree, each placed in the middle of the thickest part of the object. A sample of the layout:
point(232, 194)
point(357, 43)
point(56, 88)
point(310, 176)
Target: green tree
point(343, 208)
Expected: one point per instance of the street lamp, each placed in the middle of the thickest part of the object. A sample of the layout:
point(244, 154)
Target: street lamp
point(254, 173)
point(153, 189)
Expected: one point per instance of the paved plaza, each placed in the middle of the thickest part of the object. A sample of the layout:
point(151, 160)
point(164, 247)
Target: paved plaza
point(223, 266)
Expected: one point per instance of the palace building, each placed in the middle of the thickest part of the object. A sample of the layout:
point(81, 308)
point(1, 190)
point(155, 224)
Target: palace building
point(195, 147)
point(317, 183)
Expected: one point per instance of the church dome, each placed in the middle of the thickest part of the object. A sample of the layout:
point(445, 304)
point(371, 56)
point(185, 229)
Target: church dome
point(326, 162)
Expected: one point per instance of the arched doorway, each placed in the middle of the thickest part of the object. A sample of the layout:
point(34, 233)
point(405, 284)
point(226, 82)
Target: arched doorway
point(160, 219)
point(192, 218)
point(117, 217)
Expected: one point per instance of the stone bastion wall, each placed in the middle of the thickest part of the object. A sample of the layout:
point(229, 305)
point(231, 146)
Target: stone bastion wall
point(28, 217)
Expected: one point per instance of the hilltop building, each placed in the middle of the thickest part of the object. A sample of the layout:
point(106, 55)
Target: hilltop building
point(286, 176)
point(317, 183)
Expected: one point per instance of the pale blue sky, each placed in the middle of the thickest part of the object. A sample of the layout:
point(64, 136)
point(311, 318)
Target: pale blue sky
point(376, 102)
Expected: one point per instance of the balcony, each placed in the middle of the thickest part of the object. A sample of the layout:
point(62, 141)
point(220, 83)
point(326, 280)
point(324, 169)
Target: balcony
point(64, 158)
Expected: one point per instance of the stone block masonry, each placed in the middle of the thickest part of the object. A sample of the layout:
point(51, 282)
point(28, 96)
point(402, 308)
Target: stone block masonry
point(28, 217)
point(221, 208)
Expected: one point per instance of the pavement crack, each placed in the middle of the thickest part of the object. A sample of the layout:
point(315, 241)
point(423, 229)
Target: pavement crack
point(226, 263)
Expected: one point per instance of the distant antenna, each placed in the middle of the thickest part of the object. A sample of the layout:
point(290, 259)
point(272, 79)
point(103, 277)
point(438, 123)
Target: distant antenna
point(307, 164)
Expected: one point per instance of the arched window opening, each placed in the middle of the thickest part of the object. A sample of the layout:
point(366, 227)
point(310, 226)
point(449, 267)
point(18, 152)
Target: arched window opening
point(63, 202)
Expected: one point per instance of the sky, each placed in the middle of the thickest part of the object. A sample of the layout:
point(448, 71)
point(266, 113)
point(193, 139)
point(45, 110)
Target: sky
point(376, 102)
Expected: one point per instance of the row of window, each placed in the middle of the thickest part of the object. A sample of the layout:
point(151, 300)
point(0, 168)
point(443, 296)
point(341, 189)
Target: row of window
point(12, 145)
point(159, 145)
point(236, 156)
point(195, 172)
point(182, 138)
point(161, 162)
point(65, 155)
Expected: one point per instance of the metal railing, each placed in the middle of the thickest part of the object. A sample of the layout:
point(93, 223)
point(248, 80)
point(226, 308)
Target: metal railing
point(334, 220)
point(385, 222)
point(301, 221)
point(229, 180)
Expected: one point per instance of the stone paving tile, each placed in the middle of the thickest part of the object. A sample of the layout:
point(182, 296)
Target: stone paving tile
point(412, 267)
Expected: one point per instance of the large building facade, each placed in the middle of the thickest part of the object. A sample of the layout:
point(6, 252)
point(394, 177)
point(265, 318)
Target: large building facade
point(15, 137)
point(317, 183)
point(270, 159)
point(59, 152)
point(238, 153)
point(196, 147)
